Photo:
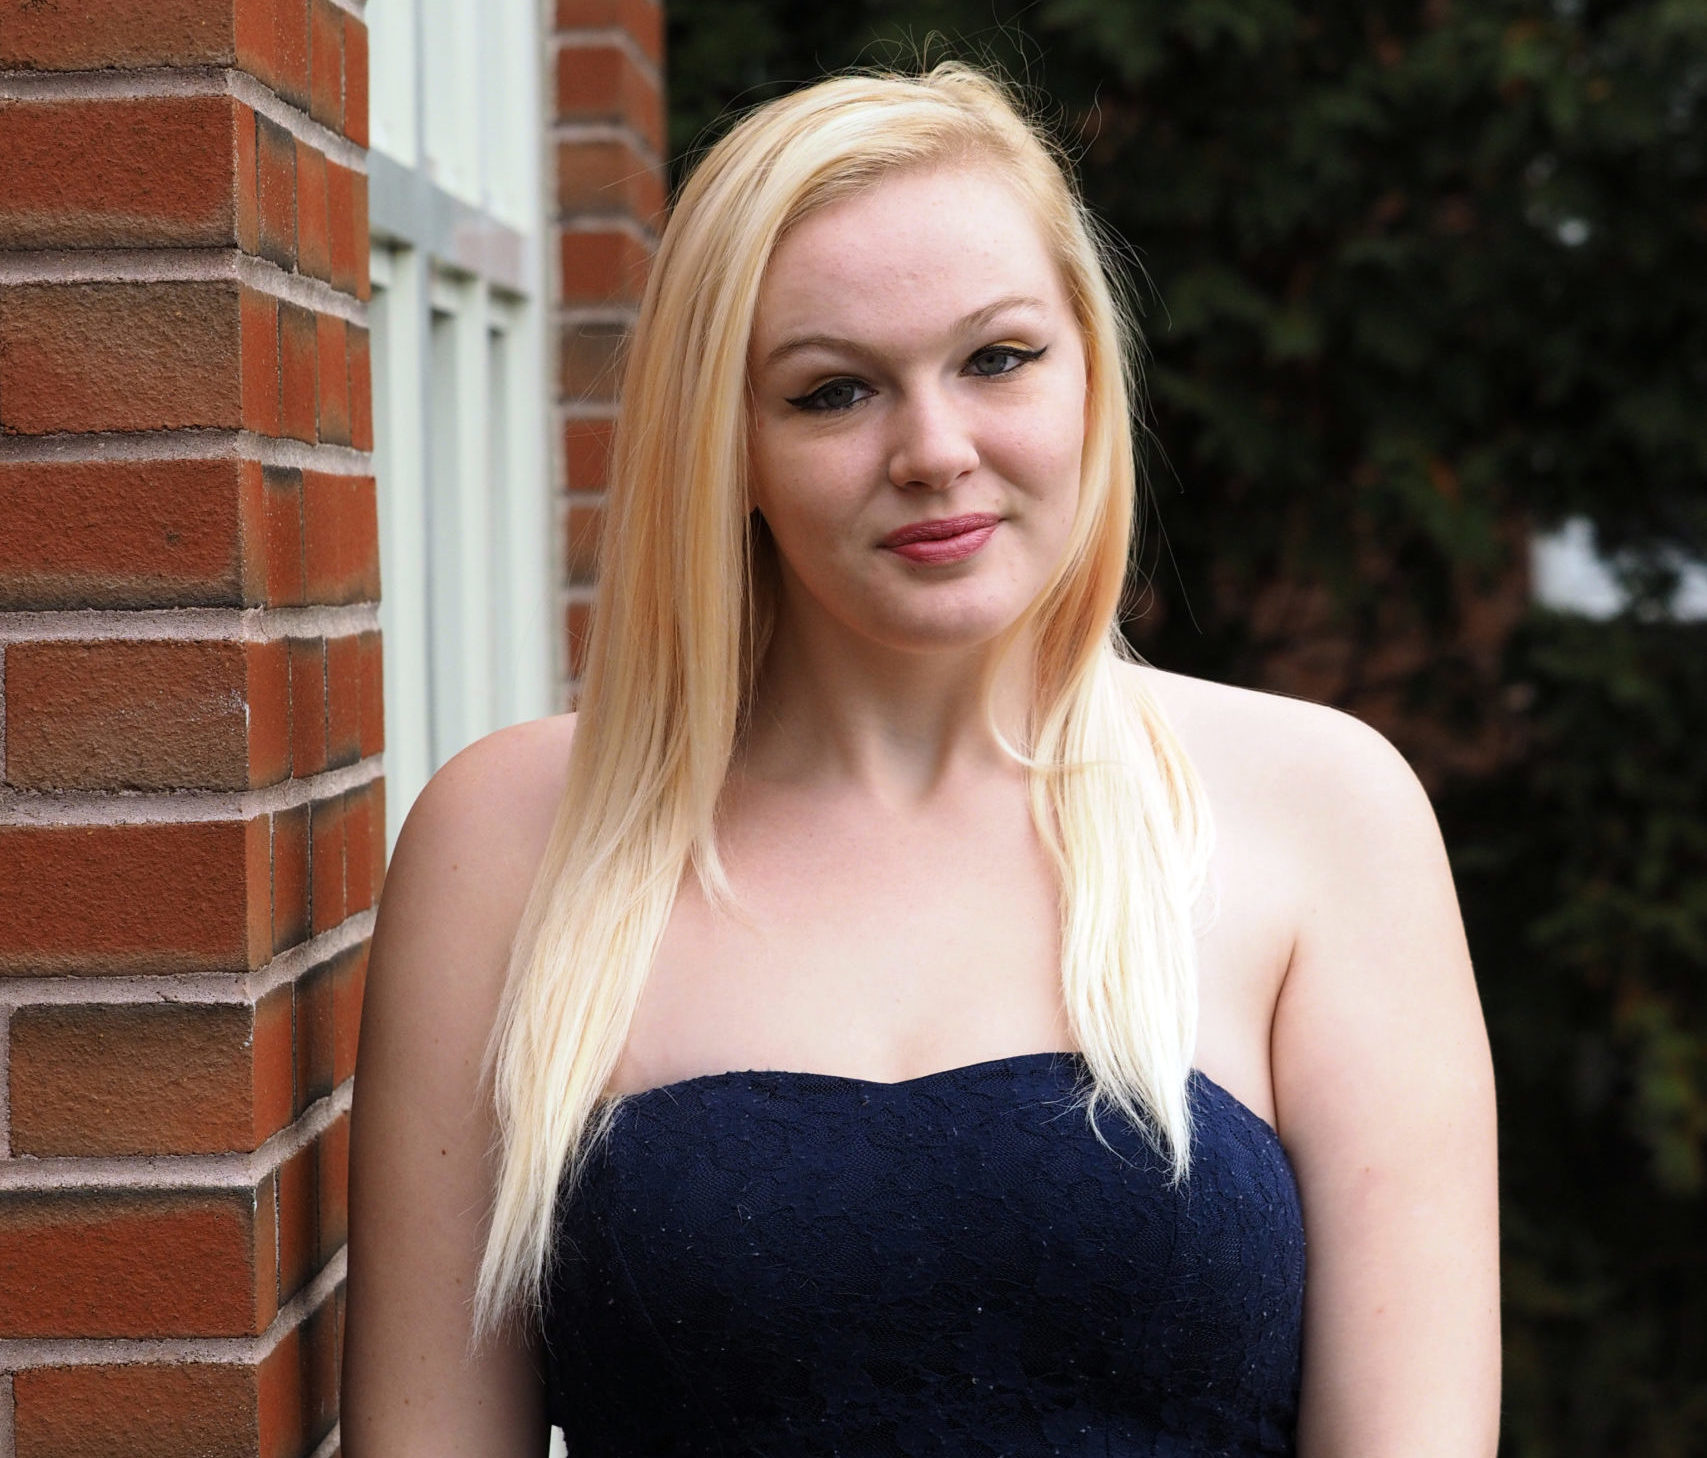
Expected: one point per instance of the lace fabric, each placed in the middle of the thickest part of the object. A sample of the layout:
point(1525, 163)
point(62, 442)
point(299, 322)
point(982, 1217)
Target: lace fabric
point(782, 1264)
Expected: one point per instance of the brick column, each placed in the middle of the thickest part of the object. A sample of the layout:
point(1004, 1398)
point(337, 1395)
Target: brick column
point(191, 804)
point(609, 140)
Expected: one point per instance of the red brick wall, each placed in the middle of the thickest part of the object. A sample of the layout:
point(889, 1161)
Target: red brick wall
point(191, 810)
point(609, 140)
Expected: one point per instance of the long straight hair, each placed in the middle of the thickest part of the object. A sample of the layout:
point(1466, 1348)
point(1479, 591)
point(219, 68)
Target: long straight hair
point(686, 600)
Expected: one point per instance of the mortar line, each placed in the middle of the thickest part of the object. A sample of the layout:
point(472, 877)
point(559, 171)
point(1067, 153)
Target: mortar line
point(598, 129)
point(602, 131)
point(19, 1354)
point(622, 315)
point(146, 82)
point(5, 1082)
point(179, 1172)
point(573, 38)
point(65, 266)
point(188, 807)
point(614, 221)
point(197, 989)
point(190, 624)
point(188, 444)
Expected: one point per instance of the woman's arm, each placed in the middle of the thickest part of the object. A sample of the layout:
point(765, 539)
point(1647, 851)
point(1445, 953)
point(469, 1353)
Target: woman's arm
point(1385, 1099)
point(420, 1138)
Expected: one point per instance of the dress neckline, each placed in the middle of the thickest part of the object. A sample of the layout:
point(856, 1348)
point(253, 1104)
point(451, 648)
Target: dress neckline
point(983, 1068)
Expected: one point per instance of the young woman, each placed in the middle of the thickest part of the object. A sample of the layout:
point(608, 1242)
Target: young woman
point(888, 1019)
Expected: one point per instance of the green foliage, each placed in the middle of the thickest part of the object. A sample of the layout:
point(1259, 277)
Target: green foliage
point(1583, 872)
point(1416, 278)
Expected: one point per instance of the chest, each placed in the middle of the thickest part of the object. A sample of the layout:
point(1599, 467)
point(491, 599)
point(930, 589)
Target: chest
point(895, 946)
point(890, 945)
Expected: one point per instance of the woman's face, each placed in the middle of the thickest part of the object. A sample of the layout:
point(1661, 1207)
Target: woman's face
point(915, 360)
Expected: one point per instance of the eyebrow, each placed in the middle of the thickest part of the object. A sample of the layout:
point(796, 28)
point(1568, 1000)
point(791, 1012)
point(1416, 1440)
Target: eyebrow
point(835, 343)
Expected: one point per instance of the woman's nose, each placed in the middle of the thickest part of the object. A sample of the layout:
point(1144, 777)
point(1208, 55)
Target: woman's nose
point(933, 445)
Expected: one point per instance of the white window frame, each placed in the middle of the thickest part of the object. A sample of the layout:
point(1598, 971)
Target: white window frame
point(462, 410)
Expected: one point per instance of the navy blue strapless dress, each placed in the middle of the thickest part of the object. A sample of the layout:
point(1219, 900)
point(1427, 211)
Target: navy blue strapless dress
point(783, 1264)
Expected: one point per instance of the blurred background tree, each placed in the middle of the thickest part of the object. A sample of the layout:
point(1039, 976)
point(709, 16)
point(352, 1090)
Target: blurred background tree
point(1419, 280)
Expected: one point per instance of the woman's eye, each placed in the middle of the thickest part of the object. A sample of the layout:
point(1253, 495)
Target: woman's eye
point(833, 395)
point(1001, 359)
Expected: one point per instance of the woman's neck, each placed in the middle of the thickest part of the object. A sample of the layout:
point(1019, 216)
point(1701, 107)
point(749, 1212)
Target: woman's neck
point(900, 726)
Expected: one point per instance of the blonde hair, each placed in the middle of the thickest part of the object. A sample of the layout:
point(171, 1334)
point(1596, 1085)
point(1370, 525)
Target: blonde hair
point(685, 606)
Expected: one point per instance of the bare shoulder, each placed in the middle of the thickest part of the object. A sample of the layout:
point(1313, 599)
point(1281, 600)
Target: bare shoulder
point(421, 1133)
point(1322, 794)
point(502, 789)
point(1345, 814)
point(1330, 779)
point(490, 807)
point(1383, 1084)
point(464, 861)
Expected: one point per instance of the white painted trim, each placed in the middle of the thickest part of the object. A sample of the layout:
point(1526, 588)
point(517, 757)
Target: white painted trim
point(399, 314)
point(393, 102)
point(463, 418)
point(460, 567)
point(405, 206)
point(451, 37)
point(527, 552)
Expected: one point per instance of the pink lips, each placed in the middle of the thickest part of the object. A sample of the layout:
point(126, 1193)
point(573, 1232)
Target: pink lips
point(948, 539)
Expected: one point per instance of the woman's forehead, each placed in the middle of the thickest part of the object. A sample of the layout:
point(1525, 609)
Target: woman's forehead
point(920, 246)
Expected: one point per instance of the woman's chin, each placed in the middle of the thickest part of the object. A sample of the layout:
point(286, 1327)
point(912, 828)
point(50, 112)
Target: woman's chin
point(940, 633)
